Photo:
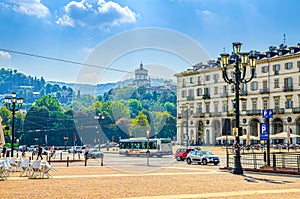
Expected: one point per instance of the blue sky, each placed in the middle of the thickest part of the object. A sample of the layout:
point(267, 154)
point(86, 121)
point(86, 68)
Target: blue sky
point(74, 30)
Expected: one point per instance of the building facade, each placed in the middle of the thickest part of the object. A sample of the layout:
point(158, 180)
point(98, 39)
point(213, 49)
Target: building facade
point(205, 102)
point(141, 77)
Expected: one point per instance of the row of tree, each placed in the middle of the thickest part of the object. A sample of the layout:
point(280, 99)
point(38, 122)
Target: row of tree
point(119, 113)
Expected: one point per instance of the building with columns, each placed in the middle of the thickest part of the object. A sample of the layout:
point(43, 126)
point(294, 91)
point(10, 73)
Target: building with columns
point(141, 77)
point(205, 102)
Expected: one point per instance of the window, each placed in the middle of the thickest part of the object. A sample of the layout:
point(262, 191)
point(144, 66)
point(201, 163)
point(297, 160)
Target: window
point(288, 65)
point(276, 82)
point(276, 69)
point(183, 94)
point(288, 83)
point(232, 89)
point(207, 107)
point(215, 90)
point(298, 65)
point(191, 80)
point(199, 91)
point(265, 103)
point(225, 106)
point(265, 69)
point(276, 102)
point(254, 86)
point(289, 102)
point(216, 77)
point(254, 104)
point(199, 108)
point(244, 105)
point(191, 93)
point(216, 107)
point(199, 80)
point(183, 83)
point(292, 51)
point(265, 85)
point(206, 91)
point(207, 77)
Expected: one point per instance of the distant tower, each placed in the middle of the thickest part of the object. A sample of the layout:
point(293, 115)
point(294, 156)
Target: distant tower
point(141, 77)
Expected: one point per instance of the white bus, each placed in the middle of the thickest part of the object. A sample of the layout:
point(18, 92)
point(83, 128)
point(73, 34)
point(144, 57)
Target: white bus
point(139, 146)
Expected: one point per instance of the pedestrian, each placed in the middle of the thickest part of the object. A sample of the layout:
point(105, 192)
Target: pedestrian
point(23, 151)
point(52, 151)
point(40, 151)
point(4, 152)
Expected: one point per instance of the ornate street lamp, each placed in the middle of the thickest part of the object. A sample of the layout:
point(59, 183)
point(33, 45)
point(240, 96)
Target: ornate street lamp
point(13, 104)
point(187, 110)
point(99, 117)
point(239, 65)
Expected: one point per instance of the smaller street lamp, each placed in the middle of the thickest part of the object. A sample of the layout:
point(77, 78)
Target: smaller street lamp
point(65, 141)
point(99, 117)
point(187, 110)
point(13, 104)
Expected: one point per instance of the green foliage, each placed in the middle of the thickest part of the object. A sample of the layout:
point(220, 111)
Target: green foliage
point(49, 101)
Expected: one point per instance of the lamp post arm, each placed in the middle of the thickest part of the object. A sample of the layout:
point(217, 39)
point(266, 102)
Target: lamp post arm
point(245, 81)
point(225, 76)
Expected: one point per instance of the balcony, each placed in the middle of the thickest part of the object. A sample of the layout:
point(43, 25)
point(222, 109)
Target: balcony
point(190, 98)
point(288, 88)
point(206, 96)
point(199, 115)
point(296, 109)
point(278, 110)
point(179, 116)
point(254, 112)
point(224, 94)
point(215, 114)
point(243, 92)
point(264, 91)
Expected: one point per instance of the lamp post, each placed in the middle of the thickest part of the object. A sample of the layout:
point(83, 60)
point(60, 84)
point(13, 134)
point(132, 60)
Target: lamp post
point(65, 141)
point(187, 110)
point(99, 117)
point(13, 104)
point(240, 62)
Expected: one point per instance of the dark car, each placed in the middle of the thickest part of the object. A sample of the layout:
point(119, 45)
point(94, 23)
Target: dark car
point(94, 153)
point(181, 153)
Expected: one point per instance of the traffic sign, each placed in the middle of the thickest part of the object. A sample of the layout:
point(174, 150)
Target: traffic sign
point(264, 131)
point(268, 113)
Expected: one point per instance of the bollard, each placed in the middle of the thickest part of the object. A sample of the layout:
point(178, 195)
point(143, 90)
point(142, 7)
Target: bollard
point(60, 155)
point(78, 156)
point(17, 154)
point(85, 161)
point(255, 163)
point(68, 161)
point(49, 160)
point(298, 163)
point(101, 160)
point(73, 156)
point(265, 157)
point(30, 159)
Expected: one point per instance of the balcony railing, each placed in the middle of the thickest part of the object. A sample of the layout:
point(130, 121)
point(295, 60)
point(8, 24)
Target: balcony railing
point(190, 98)
point(264, 91)
point(278, 110)
point(253, 112)
point(288, 88)
point(215, 114)
point(243, 92)
point(206, 96)
point(224, 94)
point(296, 109)
point(199, 115)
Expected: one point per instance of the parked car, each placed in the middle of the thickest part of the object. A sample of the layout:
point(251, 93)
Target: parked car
point(33, 147)
point(36, 150)
point(181, 153)
point(94, 153)
point(75, 149)
point(202, 157)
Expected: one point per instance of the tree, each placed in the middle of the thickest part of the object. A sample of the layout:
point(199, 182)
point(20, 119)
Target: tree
point(139, 126)
point(49, 101)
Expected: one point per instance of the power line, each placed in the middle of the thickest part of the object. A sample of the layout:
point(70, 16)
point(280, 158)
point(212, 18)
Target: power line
point(63, 60)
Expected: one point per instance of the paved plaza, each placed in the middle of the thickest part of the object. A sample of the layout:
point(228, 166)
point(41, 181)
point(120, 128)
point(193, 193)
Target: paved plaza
point(130, 177)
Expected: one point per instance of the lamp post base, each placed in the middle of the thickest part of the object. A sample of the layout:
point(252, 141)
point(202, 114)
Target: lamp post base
point(237, 169)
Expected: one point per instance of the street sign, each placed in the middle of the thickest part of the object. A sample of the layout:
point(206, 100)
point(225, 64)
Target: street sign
point(268, 113)
point(264, 131)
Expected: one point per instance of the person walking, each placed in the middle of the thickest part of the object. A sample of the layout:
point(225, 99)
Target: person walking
point(4, 152)
point(40, 151)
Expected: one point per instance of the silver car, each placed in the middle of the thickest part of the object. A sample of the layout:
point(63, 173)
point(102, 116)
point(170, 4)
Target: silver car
point(203, 157)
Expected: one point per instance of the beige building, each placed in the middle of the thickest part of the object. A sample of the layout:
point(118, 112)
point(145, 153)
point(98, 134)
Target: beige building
point(205, 101)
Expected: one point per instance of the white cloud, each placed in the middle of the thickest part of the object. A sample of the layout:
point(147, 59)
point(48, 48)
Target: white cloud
point(92, 13)
point(30, 7)
point(5, 55)
point(205, 12)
